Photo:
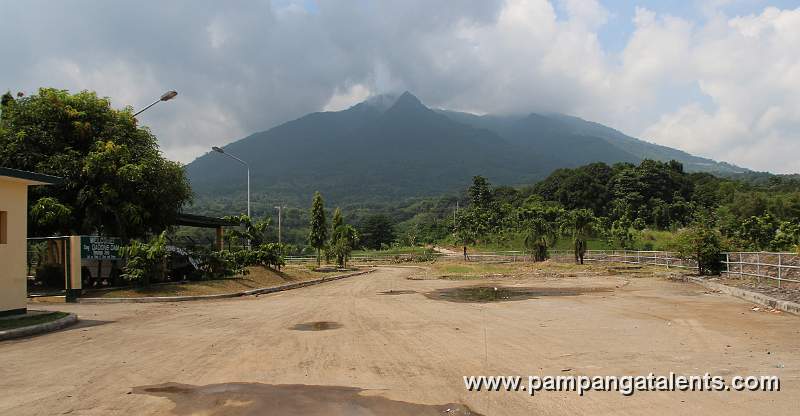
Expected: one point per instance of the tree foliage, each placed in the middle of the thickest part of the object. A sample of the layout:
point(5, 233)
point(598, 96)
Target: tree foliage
point(377, 231)
point(540, 226)
point(580, 224)
point(145, 261)
point(344, 241)
point(318, 230)
point(116, 181)
point(254, 232)
point(703, 243)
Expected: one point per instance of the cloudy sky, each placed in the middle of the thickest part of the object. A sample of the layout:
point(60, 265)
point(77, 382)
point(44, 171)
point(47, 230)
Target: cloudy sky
point(718, 78)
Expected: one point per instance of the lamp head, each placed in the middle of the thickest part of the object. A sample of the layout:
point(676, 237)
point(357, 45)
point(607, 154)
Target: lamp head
point(169, 95)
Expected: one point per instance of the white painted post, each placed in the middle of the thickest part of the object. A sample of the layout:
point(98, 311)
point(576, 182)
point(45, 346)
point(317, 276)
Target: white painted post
point(740, 265)
point(758, 267)
point(780, 263)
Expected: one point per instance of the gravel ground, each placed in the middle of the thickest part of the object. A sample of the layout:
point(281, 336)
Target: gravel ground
point(376, 344)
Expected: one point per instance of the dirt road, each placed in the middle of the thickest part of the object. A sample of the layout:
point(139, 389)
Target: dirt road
point(312, 350)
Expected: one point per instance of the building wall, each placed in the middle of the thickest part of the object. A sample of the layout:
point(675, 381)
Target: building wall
point(13, 251)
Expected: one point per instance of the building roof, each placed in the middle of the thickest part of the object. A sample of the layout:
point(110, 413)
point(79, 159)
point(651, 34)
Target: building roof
point(30, 178)
point(202, 221)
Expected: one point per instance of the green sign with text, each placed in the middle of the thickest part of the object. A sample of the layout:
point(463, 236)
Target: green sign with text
point(99, 248)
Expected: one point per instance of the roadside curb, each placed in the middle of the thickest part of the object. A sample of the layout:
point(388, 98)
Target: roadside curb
point(750, 296)
point(39, 328)
point(261, 291)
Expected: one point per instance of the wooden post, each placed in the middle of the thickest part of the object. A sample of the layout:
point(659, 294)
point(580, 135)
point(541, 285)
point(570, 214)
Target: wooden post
point(219, 239)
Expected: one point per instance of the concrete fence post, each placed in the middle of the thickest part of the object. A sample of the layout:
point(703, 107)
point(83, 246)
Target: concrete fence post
point(758, 267)
point(728, 264)
point(780, 263)
point(740, 265)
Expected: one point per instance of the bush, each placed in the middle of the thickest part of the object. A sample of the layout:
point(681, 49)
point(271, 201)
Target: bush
point(51, 275)
point(268, 255)
point(218, 264)
point(702, 244)
point(145, 261)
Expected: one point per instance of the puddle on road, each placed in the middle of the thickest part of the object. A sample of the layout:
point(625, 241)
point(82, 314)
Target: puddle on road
point(397, 292)
point(316, 326)
point(288, 399)
point(484, 294)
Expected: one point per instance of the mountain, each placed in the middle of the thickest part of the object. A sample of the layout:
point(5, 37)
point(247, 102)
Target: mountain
point(394, 147)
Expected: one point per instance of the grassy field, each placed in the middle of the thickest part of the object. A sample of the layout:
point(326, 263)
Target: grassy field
point(14, 323)
point(644, 240)
point(391, 251)
point(258, 277)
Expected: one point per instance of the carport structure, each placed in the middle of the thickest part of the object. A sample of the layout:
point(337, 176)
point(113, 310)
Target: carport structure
point(201, 221)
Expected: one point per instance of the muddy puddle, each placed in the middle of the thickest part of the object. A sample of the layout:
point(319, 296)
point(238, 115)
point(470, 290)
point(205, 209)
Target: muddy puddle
point(398, 292)
point(484, 294)
point(316, 326)
point(288, 399)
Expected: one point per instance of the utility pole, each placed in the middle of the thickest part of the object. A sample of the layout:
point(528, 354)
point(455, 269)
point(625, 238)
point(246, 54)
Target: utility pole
point(279, 208)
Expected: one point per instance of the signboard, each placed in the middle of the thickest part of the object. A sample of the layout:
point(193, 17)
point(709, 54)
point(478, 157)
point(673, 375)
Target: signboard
point(100, 248)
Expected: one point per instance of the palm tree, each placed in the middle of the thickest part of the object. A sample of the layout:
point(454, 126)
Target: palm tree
point(540, 225)
point(540, 235)
point(581, 224)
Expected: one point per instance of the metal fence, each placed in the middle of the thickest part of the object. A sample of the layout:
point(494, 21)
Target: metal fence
point(779, 267)
point(654, 258)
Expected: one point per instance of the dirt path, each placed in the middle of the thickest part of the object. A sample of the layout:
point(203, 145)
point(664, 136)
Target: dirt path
point(407, 352)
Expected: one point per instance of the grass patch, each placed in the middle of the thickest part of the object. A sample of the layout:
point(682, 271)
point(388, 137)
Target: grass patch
point(391, 251)
point(258, 278)
point(14, 323)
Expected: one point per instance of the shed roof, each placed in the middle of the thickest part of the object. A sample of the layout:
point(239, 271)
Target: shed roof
point(202, 221)
point(30, 178)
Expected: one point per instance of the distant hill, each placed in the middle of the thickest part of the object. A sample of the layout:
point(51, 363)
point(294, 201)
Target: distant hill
point(394, 147)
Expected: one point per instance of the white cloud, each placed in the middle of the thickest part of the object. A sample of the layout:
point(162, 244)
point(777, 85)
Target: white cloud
point(342, 100)
point(721, 86)
point(750, 69)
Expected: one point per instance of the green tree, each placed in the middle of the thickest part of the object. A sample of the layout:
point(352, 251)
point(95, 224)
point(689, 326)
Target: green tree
point(116, 182)
point(480, 192)
point(255, 233)
point(758, 232)
point(580, 223)
point(540, 227)
point(377, 230)
point(318, 230)
point(337, 220)
point(703, 243)
point(345, 239)
point(620, 235)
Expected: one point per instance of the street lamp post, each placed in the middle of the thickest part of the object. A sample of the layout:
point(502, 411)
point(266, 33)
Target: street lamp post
point(222, 151)
point(164, 97)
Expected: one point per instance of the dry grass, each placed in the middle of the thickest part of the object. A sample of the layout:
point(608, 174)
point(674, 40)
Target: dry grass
point(460, 270)
point(258, 277)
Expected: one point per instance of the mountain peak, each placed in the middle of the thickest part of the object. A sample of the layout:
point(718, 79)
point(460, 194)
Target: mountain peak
point(407, 102)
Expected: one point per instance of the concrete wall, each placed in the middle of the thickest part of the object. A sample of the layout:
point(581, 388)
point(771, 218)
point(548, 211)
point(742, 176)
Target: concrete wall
point(13, 252)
